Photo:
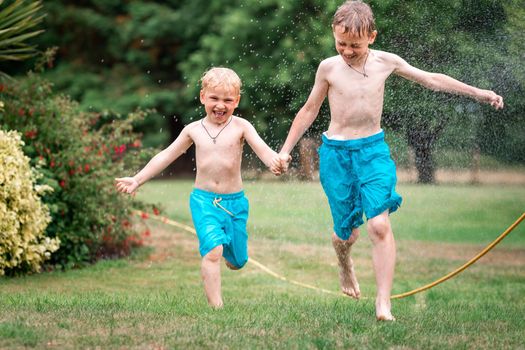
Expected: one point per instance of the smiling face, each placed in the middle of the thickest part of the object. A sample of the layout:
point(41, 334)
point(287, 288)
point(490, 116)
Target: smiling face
point(219, 102)
point(352, 47)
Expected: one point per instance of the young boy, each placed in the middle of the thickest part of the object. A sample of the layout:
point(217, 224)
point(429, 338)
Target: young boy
point(218, 206)
point(356, 171)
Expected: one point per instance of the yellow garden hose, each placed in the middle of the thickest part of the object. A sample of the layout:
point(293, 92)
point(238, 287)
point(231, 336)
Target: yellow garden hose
point(463, 267)
point(397, 296)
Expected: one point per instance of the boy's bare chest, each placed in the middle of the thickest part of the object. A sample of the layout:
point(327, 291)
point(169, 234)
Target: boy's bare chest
point(215, 144)
point(347, 84)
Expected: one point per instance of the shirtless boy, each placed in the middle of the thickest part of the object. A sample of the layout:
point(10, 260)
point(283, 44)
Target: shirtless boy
point(218, 206)
point(356, 170)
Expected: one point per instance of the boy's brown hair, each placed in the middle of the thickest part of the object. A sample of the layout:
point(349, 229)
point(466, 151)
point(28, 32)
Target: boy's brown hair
point(355, 17)
point(223, 77)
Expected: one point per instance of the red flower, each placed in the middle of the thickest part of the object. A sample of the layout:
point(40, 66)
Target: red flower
point(62, 183)
point(21, 112)
point(119, 149)
point(144, 215)
point(156, 211)
point(146, 233)
point(52, 164)
point(31, 134)
point(86, 168)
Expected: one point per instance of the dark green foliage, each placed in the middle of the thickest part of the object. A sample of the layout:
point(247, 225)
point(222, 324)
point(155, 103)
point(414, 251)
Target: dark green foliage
point(79, 154)
point(151, 54)
point(19, 22)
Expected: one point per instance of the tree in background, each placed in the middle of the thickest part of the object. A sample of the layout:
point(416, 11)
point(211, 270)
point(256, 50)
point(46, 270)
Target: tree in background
point(453, 37)
point(151, 54)
point(76, 154)
point(277, 46)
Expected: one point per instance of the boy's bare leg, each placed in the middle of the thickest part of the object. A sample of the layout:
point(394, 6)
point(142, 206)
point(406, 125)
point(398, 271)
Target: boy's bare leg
point(347, 278)
point(384, 259)
point(211, 276)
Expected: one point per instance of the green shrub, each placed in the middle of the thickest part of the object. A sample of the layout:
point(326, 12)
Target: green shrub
point(80, 154)
point(23, 217)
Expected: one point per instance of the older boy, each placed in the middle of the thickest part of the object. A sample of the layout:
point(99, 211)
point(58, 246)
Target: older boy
point(356, 170)
point(218, 206)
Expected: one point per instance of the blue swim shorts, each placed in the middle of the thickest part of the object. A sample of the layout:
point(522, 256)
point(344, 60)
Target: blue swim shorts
point(357, 176)
point(221, 219)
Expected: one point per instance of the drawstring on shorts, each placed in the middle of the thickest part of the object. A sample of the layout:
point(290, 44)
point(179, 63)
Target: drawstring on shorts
point(216, 203)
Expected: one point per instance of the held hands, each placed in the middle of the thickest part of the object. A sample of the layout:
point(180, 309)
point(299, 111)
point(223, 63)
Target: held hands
point(126, 184)
point(279, 164)
point(491, 98)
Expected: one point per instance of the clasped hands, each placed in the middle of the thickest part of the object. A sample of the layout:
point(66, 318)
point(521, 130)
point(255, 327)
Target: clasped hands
point(280, 163)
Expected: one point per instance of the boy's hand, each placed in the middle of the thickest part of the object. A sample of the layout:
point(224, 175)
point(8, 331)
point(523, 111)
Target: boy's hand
point(492, 98)
point(285, 159)
point(126, 184)
point(275, 166)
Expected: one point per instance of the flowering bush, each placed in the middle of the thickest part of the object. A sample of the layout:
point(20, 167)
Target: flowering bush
point(78, 154)
point(23, 217)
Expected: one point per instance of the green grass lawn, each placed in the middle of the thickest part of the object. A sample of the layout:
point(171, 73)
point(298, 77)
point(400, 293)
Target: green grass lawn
point(154, 299)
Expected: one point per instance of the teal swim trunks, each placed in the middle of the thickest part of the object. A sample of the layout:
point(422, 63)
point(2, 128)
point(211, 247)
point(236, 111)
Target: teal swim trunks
point(220, 219)
point(357, 176)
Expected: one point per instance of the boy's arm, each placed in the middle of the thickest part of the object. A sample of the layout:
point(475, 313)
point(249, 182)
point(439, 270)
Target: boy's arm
point(307, 114)
point(442, 82)
point(158, 163)
point(263, 151)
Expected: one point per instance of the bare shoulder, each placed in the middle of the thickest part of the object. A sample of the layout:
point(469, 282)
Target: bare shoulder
point(191, 129)
point(386, 57)
point(328, 64)
point(192, 126)
point(240, 123)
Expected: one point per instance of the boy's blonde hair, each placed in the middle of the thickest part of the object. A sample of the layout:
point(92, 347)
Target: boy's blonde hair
point(355, 17)
point(221, 77)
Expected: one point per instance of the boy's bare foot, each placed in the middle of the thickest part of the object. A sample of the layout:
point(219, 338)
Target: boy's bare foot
point(349, 285)
point(383, 311)
point(217, 307)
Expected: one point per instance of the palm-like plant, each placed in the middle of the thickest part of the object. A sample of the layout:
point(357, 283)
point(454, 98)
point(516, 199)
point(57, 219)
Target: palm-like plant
point(17, 24)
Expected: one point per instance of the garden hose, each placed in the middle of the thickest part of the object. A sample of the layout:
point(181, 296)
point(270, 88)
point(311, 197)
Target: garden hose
point(304, 285)
point(464, 266)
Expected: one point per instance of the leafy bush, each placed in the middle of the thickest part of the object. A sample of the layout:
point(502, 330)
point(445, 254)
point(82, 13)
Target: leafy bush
point(80, 154)
point(23, 217)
